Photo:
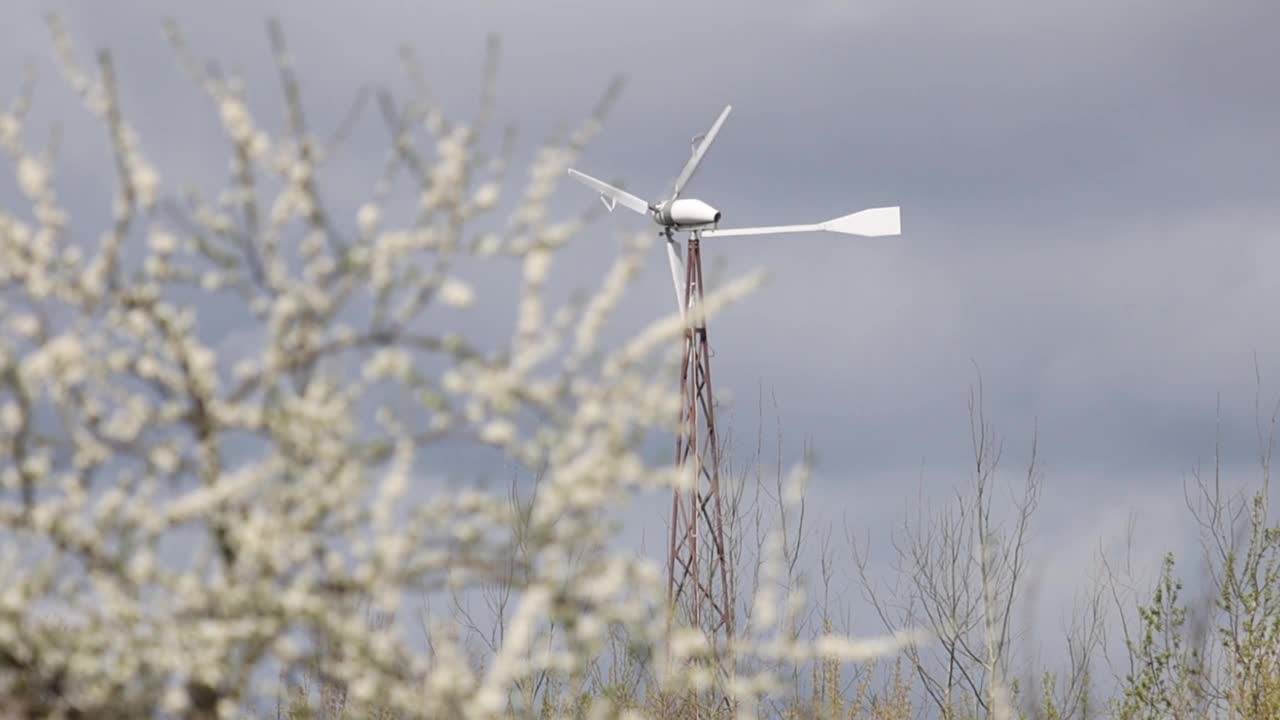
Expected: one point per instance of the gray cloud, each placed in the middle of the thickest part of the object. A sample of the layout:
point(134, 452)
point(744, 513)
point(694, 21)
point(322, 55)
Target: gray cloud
point(1088, 193)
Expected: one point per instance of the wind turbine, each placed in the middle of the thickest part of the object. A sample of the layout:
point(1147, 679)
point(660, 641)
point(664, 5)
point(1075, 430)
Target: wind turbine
point(677, 213)
point(704, 586)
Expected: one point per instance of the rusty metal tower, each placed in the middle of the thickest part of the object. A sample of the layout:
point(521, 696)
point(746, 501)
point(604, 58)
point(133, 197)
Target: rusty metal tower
point(699, 572)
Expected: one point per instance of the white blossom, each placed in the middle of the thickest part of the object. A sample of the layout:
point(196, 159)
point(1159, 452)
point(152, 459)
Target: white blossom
point(11, 417)
point(498, 432)
point(536, 266)
point(165, 458)
point(8, 128)
point(368, 218)
point(32, 176)
point(486, 196)
point(25, 324)
point(163, 242)
point(235, 118)
point(456, 292)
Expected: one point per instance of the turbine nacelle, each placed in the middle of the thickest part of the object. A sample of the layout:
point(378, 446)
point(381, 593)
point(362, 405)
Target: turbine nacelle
point(685, 212)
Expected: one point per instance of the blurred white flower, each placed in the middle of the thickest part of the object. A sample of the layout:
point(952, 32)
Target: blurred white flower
point(456, 293)
point(32, 176)
point(162, 241)
point(11, 417)
point(24, 325)
point(486, 196)
point(368, 218)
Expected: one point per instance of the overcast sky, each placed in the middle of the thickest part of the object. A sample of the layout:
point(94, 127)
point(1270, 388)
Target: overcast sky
point(1088, 190)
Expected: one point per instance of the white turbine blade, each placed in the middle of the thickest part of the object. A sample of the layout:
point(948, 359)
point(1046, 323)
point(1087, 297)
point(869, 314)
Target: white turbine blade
point(875, 222)
point(621, 197)
point(694, 161)
point(677, 272)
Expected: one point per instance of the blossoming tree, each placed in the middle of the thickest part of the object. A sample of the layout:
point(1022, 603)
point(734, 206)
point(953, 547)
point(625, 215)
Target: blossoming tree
point(183, 523)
